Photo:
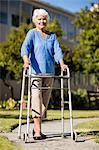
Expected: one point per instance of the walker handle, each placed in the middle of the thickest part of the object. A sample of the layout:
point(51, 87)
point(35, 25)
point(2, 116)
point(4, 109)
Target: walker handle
point(27, 71)
point(68, 72)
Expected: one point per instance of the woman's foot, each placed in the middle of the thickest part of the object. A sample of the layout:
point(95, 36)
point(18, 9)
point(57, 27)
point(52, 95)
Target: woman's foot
point(38, 137)
point(43, 136)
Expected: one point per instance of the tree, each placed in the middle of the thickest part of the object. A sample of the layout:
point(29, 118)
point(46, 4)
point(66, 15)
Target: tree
point(86, 53)
point(10, 58)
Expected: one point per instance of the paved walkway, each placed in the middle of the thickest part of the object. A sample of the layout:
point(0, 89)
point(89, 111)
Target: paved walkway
point(54, 141)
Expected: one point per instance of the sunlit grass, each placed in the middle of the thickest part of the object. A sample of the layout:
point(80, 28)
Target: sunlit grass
point(10, 119)
point(7, 124)
point(5, 144)
point(56, 114)
point(89, 128)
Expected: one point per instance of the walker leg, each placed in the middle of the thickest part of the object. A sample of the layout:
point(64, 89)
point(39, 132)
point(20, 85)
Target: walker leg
point(70, 103)
point(75, 136)
point(20, 116)
point(28, 110)
point(62, 105)
point(70, 108)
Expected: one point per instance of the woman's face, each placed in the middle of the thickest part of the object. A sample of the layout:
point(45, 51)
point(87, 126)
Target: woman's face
point(41, 22)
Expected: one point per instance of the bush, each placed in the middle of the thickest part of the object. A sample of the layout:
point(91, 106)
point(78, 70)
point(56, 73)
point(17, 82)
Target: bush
point(1, 103)
point(80, 99)
point(10, 103)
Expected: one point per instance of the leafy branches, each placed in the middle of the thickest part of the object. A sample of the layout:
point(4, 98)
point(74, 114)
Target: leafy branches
point(86, 54)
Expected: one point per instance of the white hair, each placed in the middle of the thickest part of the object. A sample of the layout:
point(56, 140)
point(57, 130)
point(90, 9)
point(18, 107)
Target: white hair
point(38, 12)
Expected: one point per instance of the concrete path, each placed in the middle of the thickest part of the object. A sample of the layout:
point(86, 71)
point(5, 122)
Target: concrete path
point(54, 141)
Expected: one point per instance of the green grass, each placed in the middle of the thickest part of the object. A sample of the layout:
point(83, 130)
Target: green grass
point(90, 128)
point(6, 125)
point(56, 114)
point(9, 119)
point(97, 138)
point(5, 144)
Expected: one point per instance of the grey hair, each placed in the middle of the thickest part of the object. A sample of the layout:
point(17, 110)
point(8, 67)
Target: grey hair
point(38, 12)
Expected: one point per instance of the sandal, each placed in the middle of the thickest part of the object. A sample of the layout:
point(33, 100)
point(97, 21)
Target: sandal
point(42, 136)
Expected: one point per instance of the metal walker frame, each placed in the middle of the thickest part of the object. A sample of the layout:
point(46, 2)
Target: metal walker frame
point(62, 77)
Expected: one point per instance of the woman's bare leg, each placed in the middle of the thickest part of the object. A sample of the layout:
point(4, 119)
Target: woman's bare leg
point(37, 126)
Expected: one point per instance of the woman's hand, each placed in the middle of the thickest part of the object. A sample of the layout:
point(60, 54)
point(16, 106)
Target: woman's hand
point(26, 62)
point(26, 65)
point(63, 66)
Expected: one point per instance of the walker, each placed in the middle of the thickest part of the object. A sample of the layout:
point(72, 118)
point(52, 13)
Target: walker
point(61, 77)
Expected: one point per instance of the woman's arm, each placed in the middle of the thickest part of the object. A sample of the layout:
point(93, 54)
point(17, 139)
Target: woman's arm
point(26, 48)
point(58, 54)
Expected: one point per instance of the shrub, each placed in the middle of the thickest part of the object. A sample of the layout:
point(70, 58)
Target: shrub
point(10, 103)
point(1, 103)
point(80, 99)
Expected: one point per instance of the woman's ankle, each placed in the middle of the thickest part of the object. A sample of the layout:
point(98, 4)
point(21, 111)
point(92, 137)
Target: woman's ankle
point(37, 126)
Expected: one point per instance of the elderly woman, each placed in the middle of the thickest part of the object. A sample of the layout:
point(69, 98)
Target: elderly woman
point(40, 48)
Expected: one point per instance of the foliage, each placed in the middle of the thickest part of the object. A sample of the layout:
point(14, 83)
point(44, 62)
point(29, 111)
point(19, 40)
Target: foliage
point(10, 103)
point(10, 58)
point(25, 97)
point(54, 26)
point(80, 99)
point(1, 103)
point(86, 54)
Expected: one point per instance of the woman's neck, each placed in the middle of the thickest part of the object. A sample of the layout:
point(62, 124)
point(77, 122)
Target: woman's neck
point(41, 30)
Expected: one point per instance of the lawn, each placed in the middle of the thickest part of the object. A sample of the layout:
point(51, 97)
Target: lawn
point(56, 114)
point(9, 119)
point(5, 144)
point(90, 128)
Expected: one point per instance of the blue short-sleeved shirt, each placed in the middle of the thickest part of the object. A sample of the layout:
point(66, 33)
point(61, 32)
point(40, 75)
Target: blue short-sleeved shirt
point(41, 51)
